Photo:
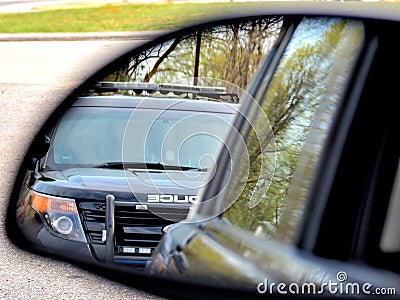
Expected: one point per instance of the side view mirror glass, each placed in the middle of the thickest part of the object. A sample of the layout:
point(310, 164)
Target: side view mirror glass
point(40, 146)
point(127, 156)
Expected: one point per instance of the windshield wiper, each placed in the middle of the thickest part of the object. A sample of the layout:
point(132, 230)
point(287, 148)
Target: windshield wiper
point(143, 165)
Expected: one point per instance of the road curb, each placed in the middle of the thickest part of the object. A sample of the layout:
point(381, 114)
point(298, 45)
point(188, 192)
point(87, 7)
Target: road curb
point(81, 36)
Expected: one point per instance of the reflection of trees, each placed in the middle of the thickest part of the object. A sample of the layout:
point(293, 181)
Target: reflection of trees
point(228, 52)
point(293, 97)
point(233, 53)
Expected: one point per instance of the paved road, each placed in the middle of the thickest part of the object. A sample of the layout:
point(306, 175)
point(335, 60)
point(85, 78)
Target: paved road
point(34, 77)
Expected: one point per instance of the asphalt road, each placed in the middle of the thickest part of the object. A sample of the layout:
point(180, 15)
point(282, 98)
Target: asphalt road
point(34, 78)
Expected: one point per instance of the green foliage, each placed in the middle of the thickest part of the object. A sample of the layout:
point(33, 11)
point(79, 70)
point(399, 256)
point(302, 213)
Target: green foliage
point(293, 97)
point(125, 17)
point(230, 53)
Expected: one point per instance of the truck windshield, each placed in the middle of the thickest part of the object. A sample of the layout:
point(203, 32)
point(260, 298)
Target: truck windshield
point(90, 137)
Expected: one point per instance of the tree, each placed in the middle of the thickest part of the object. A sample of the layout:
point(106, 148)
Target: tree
point(299, 85)
point(229, 53)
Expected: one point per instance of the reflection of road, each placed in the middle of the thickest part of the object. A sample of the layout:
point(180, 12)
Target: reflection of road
point(34, 76)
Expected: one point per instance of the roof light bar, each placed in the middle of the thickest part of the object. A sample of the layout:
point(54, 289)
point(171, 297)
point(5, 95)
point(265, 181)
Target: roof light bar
point(161, 87)
point(215, 92)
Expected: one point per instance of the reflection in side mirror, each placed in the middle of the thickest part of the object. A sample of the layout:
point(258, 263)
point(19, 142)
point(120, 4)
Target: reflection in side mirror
point(40, 146)
point(39, 149)
point(128, 158)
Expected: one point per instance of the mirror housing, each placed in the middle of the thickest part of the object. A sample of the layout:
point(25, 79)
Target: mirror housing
point(39, 148)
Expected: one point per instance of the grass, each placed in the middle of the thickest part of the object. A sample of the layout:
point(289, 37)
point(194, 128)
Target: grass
point(121, 17)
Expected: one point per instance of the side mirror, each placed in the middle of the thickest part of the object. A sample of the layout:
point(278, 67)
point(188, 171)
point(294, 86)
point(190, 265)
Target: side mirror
point(39, 148)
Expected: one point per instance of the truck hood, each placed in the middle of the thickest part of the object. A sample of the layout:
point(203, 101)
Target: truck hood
point(125, 185)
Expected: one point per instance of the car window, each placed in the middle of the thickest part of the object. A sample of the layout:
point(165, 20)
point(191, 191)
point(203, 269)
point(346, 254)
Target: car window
point(390, 241)
point(178, 138)
point(88, 136)
point(300, 105)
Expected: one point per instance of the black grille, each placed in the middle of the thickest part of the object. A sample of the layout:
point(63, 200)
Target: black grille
point(93, 219)
point(137, 231)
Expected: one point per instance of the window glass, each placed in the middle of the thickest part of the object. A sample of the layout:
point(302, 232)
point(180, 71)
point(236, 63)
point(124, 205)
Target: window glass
point(91, 136)
point(300, 104)
point(88, 136)
point(390, 240)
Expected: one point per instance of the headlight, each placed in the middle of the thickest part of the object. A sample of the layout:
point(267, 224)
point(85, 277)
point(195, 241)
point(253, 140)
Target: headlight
point(60, 215)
